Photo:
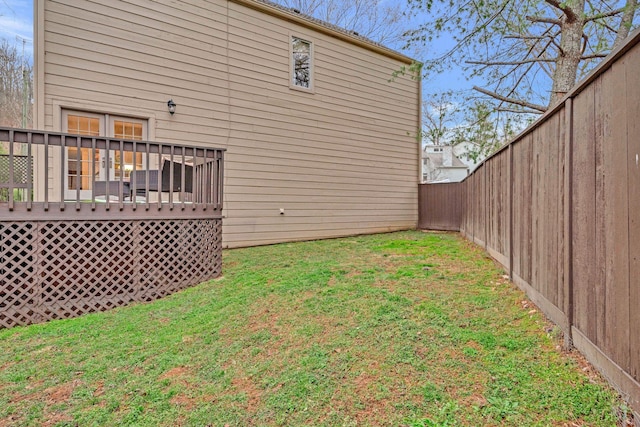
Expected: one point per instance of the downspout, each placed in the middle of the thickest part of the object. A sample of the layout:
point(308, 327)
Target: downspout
point(39, 181)
point(38, 64)
point(225, 204)
point(419, 141)
point(419, 130)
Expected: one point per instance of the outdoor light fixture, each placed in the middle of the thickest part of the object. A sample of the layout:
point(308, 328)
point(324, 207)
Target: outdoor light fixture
point(172, 106)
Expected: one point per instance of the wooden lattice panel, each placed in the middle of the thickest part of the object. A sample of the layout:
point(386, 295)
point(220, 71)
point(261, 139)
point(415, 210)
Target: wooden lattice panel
point(18, 275)
point(190, 248)
point(63, 269)
point(87, 266)
point(20, 170)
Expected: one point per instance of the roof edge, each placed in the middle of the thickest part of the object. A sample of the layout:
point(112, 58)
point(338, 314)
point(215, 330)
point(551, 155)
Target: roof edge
point(326, 28)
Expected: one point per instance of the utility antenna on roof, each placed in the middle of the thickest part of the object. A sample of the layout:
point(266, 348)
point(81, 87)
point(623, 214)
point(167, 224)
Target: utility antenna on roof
point(25, 84)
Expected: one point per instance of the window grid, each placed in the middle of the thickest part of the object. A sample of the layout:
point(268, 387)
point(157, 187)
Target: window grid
point(302, 64)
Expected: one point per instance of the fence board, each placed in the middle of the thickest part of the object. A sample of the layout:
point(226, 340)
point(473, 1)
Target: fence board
point(538, 210)
point(499, 214)
point(552, 209)
point(517, 208)
point(584, 212)
point(558, 198)
point(614, 112)
point(599, 296)
point(632, 89)
point(526, 214)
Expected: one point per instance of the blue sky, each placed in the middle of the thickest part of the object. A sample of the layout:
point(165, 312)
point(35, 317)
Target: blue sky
point(16, 23)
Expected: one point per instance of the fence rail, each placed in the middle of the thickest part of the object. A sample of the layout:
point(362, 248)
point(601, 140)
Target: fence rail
point(559, 207)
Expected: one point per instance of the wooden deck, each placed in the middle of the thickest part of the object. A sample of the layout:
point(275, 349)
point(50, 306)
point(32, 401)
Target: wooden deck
point(67, 249)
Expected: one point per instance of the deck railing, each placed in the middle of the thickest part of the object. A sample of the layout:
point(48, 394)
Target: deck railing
point(92, 223)
point(45, 175)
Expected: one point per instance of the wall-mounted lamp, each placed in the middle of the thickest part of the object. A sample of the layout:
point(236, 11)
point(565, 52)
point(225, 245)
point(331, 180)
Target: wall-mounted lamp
point(172, 106)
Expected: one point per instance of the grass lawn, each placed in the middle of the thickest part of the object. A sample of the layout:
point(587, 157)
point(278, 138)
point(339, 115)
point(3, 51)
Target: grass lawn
point(412, 328)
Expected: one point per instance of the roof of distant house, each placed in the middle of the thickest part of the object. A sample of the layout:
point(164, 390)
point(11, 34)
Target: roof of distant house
point(436, 161)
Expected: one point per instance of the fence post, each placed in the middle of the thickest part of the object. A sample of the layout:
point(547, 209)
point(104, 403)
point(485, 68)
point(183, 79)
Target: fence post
point(486, 204)
point(511, 211)
point(568, 220)
point(469, 206)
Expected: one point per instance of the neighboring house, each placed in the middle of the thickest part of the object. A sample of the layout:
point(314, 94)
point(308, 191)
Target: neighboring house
point(439, 164)
point(462, 150)
point(321, 142)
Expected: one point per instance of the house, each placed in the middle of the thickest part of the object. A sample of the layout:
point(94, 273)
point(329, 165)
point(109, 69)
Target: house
point(440, 164)
point(320, 139)
point(468, 154)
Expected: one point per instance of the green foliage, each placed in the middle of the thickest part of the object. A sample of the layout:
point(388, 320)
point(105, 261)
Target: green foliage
point(486, 131)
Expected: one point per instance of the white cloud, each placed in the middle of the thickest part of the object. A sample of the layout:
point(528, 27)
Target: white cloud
point(16, 19)
point(10, 28)
point(16, 24)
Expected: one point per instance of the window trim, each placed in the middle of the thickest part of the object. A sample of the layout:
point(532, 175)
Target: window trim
point(311, 41)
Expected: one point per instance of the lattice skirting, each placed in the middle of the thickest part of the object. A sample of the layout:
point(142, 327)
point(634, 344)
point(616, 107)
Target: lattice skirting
point(62, 269)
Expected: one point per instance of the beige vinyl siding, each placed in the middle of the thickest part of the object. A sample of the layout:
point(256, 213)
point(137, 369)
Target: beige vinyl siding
point(342, 160)
point(130, 56)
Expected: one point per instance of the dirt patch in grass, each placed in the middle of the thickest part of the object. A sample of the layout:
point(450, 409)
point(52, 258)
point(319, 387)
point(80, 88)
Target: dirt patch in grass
point(56, 418)
point(247, 386)
point(99, 390)
point(177, 372)
point(60, 393)
point(188, 403)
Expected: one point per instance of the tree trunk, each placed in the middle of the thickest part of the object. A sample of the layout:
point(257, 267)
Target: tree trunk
point(564, 76)
point(625, 23)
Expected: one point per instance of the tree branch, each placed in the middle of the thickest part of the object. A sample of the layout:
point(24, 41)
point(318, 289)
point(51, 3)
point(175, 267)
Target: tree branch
point(522, 62)
point(523, 37)
point(526, 104)
point(530, 51)
point(593, 56)
point(514, 110)
point(571, 15)
point(476, 30)
point(604, 15)
point(626, 22)
point(544, 20)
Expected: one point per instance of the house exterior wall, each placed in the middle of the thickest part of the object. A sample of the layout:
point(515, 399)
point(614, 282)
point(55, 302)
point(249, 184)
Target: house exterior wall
point(443, 173)
point(337, 161)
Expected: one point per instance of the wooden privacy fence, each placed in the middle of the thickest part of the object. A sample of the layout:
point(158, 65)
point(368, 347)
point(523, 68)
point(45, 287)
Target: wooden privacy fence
point(559, 208)
point(440, 206)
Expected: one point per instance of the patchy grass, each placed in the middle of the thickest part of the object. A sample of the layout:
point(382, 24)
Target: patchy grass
point(414, 329)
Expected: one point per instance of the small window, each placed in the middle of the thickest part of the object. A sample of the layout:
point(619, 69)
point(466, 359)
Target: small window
point(301, 63)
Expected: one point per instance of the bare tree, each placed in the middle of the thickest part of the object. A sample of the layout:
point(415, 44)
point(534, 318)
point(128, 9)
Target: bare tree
point(530, 52)
point(381, 21)
point(441, 116)
point(15, 87)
